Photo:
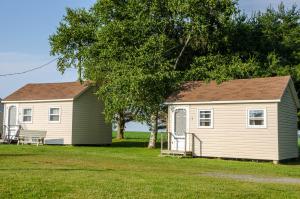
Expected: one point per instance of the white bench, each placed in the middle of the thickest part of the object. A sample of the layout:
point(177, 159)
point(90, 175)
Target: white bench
point(32, 137)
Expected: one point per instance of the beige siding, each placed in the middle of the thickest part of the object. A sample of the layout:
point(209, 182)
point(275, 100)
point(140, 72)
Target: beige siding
point(1, 117)
point(57, 133)
point(1, 123)
point(89, 126)
point(287, 124)
point(169, 126)
point(4, 117)
point(230, 137)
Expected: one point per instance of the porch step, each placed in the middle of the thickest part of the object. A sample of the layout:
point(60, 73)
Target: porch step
point(176, 153)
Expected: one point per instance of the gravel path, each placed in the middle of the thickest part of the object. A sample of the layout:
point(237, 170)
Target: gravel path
point(253, 178)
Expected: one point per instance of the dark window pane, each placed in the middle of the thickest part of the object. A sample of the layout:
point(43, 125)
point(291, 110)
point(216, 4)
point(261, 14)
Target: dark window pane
point(205, 122)
point(256, 122)
point(27, 111)
point(27, 118)
point(54, 111)
point(54, 118)
point(205, 114)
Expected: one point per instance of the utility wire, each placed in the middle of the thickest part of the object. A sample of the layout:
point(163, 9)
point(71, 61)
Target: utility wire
point(30, 70)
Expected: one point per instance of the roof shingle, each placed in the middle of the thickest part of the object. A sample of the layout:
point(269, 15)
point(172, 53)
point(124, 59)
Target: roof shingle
point(269, 88)
point(48, 91)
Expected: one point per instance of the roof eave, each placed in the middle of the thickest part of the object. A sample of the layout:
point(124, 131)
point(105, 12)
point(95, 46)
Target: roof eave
point(224, 102)
point(35, 101)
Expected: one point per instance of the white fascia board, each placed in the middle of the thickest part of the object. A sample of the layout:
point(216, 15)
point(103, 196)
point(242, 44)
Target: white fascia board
point(224, 102)
point(35, 101)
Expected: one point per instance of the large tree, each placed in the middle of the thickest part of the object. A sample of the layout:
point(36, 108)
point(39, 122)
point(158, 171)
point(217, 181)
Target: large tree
point(145, 45)
point(137, 52)
point(132, 45)
point(133, 49)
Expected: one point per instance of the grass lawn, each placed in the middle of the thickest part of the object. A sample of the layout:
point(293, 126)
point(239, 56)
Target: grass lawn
point(129, 170)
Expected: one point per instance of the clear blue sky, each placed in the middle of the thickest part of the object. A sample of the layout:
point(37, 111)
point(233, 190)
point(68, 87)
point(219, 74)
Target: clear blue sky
point(26, 25)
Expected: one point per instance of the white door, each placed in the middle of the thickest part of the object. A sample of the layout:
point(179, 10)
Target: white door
point(12, 122)
point(179, 129)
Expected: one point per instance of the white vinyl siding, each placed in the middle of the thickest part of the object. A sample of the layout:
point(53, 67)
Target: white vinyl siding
point(1, 118)
point(81, 121)
point(230, 137)
point(57, 133)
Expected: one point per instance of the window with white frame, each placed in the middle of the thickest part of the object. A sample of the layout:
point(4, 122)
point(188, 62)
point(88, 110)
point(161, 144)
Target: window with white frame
point(27, 115)
point(205, 118)
point(256, 118)
point(54, 114)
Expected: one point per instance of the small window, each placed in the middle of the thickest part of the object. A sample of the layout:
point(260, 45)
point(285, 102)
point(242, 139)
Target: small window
point(205, 119)
point(27, 115)
point(256, 118)
point(54, 115)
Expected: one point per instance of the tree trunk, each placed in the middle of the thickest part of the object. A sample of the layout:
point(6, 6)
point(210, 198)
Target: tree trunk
point(120, 126)
point(153, 135)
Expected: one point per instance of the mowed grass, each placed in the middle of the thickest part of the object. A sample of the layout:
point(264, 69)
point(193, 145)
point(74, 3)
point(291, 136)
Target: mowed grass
point(129, 170)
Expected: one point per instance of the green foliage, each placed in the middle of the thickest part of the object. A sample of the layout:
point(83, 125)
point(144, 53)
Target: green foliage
point(74, 34)
point(222, 68)
point(139, 42)
point(280, 33)
point(138, 52)
point(272, 38)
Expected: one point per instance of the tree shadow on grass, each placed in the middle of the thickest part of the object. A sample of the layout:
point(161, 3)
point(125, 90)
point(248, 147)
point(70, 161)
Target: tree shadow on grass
point(134, 138)
point(294, 161)
point(18, 155)
point(129, 144)
point(54, 169)
point(140, 144)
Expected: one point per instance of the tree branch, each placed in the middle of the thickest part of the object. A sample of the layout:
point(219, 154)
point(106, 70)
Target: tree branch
point(182, 50)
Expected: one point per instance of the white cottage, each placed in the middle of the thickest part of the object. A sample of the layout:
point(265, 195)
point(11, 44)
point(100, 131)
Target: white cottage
point(1, 117)
point(69, 112)
point(245, 119)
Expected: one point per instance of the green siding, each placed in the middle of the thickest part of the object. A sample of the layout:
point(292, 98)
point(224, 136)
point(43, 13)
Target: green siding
point(89, 127)
point(287, 126)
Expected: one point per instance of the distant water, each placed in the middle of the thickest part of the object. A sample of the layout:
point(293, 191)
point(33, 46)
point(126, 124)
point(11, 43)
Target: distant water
point(137, 126)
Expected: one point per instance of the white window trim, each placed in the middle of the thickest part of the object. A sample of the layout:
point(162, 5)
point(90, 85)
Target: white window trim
point(212, 119)
point(22, 115)
point(59, 114)
point(256, 126)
